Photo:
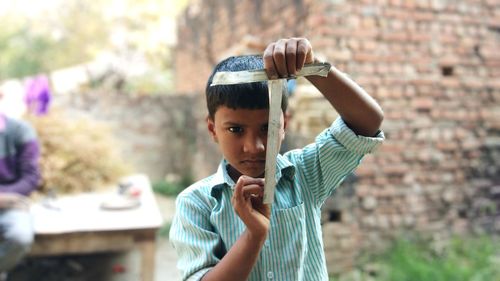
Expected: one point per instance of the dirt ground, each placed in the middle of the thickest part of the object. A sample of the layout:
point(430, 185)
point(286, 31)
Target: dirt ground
point(123, 266)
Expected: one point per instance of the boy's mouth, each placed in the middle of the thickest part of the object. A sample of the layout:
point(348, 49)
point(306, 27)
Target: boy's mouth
point(253, 162)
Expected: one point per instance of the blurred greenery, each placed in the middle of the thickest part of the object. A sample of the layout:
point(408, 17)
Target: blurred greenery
point(167, 188)
point(73, 34)
point(60, 34)
point(172, 188)
point(164, 230)
point(153, 82)
point(22, 53)
point(466, 258)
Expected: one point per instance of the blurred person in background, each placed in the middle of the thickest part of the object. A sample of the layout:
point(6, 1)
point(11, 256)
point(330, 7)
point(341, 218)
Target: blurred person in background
point(19, 176)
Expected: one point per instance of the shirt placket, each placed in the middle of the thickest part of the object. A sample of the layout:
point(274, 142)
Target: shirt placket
point(267, 272)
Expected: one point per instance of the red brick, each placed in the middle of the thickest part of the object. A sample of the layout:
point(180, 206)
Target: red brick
point(396, 169)
point(423, 103)
point(397, 36)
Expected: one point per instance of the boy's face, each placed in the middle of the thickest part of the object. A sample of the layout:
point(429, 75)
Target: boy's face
point(242, 137)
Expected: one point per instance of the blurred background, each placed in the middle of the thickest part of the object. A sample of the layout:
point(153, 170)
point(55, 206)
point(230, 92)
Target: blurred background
point(425, 206)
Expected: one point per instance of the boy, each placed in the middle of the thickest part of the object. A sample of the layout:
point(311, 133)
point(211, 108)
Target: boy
point(222, 230)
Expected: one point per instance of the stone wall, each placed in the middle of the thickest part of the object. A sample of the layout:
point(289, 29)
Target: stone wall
point(432, 66)
point(159, 134)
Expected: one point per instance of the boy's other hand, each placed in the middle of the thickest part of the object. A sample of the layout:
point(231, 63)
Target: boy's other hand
point(247, 202)
point(285, 57)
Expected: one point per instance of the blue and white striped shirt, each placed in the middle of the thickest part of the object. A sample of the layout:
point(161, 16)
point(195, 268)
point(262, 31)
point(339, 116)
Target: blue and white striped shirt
point(205, 226)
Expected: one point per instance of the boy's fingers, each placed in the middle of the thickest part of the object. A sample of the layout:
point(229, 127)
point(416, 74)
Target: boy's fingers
point(245, 180)
point(280, 58)
point(291, 57)
point(246, 186)
point(304, 53)
point(269, 62)
point(261, 207)
point(253, 190)
point(238, 191)
point(286, 57)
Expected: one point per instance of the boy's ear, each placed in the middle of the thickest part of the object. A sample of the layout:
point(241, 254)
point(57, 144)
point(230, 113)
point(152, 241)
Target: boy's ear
point(211, 128)
point(285, 124)
point(286, 118)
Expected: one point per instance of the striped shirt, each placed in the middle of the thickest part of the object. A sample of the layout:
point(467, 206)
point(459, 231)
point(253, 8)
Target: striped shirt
point(205, 225)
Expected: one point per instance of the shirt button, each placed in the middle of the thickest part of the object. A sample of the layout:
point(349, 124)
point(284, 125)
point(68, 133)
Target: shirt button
point(270, 275)
point(266, 243)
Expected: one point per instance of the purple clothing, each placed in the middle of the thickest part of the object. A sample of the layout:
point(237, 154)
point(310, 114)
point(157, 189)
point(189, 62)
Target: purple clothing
point(19, 156)
point(38, 95)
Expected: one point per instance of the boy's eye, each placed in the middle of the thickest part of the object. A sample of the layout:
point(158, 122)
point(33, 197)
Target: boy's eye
point(235, 130)
point(264, 128)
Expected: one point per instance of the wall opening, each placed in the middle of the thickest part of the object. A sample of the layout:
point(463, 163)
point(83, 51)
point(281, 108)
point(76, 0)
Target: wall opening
point(447, 70)
point(335, 216)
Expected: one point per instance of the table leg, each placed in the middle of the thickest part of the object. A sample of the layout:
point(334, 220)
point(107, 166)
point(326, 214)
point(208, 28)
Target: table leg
point(148, 254)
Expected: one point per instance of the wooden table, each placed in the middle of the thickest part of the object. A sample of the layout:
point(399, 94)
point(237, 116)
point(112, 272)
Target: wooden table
point(78, 225)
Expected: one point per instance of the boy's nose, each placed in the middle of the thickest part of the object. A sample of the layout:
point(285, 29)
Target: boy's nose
point(254, 145)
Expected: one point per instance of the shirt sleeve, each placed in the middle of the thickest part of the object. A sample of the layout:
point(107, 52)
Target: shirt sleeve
point(336, 152)
point(197, 245)
point(27, 159)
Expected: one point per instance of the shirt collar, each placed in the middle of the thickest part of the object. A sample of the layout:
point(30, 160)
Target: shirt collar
point(221, 178)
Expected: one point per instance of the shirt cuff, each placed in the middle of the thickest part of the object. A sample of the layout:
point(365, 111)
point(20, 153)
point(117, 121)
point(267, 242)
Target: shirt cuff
point(352, 142)
point(199, 274)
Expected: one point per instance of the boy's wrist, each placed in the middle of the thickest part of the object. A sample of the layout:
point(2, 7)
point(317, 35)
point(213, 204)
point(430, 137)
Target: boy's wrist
point(256, 238)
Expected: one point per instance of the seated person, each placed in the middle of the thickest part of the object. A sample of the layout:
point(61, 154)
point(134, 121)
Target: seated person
point(19, 176)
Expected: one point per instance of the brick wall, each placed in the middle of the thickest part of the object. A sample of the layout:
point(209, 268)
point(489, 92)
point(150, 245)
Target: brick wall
point(434, 67)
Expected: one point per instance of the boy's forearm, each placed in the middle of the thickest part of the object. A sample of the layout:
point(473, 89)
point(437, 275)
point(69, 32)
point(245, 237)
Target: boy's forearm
point(239, 260)
point(358, 109)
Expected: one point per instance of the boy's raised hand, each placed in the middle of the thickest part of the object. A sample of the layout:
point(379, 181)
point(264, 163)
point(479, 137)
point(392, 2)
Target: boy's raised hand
point(285, 57)
point(247, 202)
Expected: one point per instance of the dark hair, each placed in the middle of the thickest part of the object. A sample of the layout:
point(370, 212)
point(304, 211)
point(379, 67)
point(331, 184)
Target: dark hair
point(244, 96)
